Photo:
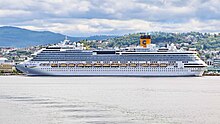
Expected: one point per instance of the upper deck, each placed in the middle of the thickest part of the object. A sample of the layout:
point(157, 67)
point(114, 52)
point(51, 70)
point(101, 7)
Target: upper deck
point(76, 52)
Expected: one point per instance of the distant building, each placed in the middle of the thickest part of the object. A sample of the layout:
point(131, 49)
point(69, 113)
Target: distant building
point(209, 62)
point(6, 66)
point(23, 57)
point(192, 49)
point(3, 60)
point(215, 67)
point(216, 63)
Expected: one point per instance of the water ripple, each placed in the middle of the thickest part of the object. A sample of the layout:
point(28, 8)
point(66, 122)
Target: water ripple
point(84, 110)
point(63, 106)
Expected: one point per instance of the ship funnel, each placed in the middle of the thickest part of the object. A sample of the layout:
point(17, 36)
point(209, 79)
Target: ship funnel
point(145, 40)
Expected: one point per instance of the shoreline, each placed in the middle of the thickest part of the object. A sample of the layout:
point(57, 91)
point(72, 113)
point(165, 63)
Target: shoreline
point(211, 74)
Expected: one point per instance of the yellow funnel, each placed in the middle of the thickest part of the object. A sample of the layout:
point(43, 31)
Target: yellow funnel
point(145, 40)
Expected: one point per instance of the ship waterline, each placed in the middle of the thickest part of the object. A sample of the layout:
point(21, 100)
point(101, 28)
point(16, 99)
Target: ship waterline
point(111, 71)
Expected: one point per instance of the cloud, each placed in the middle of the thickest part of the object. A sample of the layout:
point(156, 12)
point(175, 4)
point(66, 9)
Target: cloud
point(13, 13)
point(76, 27)
point(89, 17)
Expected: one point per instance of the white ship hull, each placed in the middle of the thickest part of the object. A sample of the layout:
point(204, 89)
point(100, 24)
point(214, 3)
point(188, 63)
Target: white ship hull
point(147, 60)
point(112, 71)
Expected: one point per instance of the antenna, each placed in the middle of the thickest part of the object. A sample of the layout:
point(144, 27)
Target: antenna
point(65, 41)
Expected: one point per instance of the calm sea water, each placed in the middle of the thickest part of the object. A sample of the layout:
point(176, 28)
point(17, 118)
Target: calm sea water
point(109, 100)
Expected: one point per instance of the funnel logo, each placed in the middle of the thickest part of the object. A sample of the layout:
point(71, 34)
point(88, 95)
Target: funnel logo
point(144, 42)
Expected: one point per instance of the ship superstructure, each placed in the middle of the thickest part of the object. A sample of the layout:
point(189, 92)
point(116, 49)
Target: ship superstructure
point(144, 60)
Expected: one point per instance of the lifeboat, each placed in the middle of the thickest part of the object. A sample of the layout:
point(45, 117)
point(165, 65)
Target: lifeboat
point(63, 65)
point(32, 66)
point(133, 65)
point(97, 65)
point(106, 65)
point(44, 64)
point(144, 65)
point(114, 65)
point(54, 65)
point(154, 64)
point(123, 65)
point(80, 65)
point(71, 65)
point(88, 65)
point(163, 65)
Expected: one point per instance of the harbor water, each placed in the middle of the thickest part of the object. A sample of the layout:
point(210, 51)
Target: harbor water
point(109, 100)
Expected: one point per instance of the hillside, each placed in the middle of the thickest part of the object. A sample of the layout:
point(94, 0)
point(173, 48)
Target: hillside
point(198, 40)
point(18, 37)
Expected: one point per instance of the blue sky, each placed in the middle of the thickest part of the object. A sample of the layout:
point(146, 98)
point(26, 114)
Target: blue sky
point(94, 17)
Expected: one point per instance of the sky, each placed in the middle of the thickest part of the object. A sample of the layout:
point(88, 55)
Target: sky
point(111, 17)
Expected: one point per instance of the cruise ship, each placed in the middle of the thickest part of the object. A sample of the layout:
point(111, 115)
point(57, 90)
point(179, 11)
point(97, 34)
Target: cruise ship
point(144, 60)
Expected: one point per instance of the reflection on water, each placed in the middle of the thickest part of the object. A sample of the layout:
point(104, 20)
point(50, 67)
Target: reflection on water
point(109, 100)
